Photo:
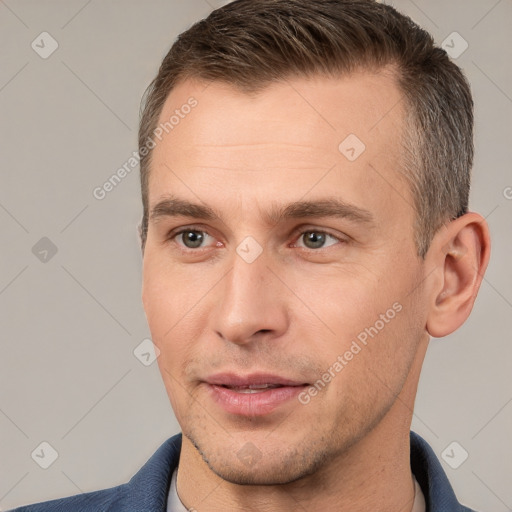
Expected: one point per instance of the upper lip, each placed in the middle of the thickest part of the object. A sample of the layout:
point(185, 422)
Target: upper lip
point(253, 379)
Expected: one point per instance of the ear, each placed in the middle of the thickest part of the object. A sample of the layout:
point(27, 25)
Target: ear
point(460, 251)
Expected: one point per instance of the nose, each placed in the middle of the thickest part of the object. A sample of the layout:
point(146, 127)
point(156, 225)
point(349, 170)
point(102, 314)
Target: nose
point(251, 303)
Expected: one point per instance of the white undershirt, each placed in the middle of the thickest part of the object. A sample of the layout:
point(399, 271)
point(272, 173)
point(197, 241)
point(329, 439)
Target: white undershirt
point(174, 503)
point(419, 504)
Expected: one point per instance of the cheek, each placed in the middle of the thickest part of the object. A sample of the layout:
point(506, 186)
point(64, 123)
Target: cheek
point(389, 343)
point(346, 300)
point(168, 304)
point(372, 317)
point(169, 295)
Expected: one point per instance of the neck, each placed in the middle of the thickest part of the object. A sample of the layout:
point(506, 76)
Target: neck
point(374, 474)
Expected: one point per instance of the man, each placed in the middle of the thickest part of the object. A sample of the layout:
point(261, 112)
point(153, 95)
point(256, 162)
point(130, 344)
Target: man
point(305, 171)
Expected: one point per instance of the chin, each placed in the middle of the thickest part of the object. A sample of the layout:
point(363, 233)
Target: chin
point(270, 474)
point(251, 467)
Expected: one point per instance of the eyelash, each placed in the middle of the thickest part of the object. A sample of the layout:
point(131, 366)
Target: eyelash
point(174, 234)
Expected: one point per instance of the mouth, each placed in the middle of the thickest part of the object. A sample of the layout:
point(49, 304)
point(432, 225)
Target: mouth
point(252, 395)
point(252, 388)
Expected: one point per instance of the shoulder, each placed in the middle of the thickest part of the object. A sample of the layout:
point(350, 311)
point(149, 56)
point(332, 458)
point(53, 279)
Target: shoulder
point(147, 489)
point(92, 501)
point(432, 478)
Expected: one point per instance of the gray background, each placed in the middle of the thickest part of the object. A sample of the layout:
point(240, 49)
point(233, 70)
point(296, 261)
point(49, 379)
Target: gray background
point(70, 324)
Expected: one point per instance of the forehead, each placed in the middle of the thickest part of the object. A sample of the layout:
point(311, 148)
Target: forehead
point(291, 132)
point(356, 102)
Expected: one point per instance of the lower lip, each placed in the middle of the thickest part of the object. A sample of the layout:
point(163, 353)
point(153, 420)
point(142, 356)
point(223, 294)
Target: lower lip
point(253, 404)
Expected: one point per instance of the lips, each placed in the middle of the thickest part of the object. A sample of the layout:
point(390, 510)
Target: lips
point(253, 388)
point(252, 395)
point(254, 380)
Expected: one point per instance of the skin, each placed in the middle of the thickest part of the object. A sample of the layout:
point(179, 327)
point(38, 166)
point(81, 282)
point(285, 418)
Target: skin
point(296, 308)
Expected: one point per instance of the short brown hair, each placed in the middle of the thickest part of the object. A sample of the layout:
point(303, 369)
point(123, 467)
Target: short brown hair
point(252, 43)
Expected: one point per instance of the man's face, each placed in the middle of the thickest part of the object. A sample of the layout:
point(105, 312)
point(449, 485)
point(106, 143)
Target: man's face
point(308, 261)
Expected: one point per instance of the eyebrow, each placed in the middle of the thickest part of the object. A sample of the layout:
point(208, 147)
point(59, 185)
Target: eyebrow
point(174, 207)
point(171, 206)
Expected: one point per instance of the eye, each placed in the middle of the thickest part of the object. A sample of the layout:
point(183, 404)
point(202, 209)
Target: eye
point(315, 239)
point(191, 238)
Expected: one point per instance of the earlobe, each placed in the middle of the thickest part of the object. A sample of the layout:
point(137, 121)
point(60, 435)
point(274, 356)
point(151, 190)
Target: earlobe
point(461, 252)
